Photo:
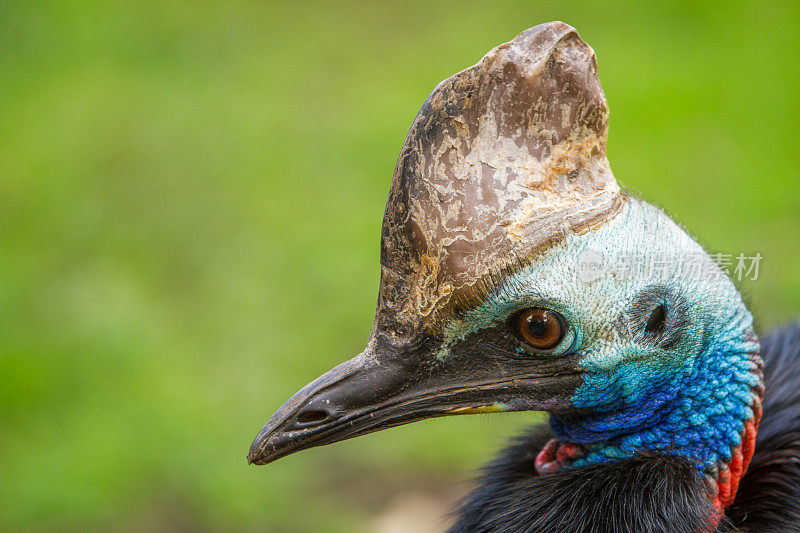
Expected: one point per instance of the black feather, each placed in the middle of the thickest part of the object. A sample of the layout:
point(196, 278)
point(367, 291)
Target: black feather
point(652, 493)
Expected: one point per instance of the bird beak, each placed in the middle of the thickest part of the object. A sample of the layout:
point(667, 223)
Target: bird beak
point(365, 394)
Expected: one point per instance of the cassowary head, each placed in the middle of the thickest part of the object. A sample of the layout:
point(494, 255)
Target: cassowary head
point(516, 276)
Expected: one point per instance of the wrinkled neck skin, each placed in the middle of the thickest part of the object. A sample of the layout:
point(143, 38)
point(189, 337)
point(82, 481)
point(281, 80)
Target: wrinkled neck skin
point(708, 416)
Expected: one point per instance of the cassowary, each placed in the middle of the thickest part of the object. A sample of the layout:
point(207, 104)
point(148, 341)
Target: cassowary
point(515, 276)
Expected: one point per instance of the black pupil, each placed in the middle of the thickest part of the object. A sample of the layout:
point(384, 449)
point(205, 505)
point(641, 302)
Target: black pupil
point(538, 327)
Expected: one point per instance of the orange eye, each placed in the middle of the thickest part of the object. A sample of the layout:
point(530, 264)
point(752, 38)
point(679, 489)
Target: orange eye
point(541, 328)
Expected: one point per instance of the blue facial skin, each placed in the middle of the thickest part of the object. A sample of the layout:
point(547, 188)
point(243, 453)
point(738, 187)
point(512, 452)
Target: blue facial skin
point(684, 387)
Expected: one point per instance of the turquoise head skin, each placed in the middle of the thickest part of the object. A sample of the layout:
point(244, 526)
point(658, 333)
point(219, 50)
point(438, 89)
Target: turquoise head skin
point(665, 343)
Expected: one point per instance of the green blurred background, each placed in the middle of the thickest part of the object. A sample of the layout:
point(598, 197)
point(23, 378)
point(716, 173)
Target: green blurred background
point(191, 196)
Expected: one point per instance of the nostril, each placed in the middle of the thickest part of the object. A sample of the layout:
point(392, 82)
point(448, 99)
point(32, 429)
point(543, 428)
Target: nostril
point(312, 415)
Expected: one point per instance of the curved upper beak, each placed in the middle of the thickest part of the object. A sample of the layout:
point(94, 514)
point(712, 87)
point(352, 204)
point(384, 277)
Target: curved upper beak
point(326, 410)
point(365, 395)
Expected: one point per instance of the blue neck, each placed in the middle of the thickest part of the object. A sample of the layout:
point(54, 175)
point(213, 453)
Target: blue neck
point(700, 415)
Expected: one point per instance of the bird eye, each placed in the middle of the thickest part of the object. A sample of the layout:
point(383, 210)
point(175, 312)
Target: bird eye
point(541, 328)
